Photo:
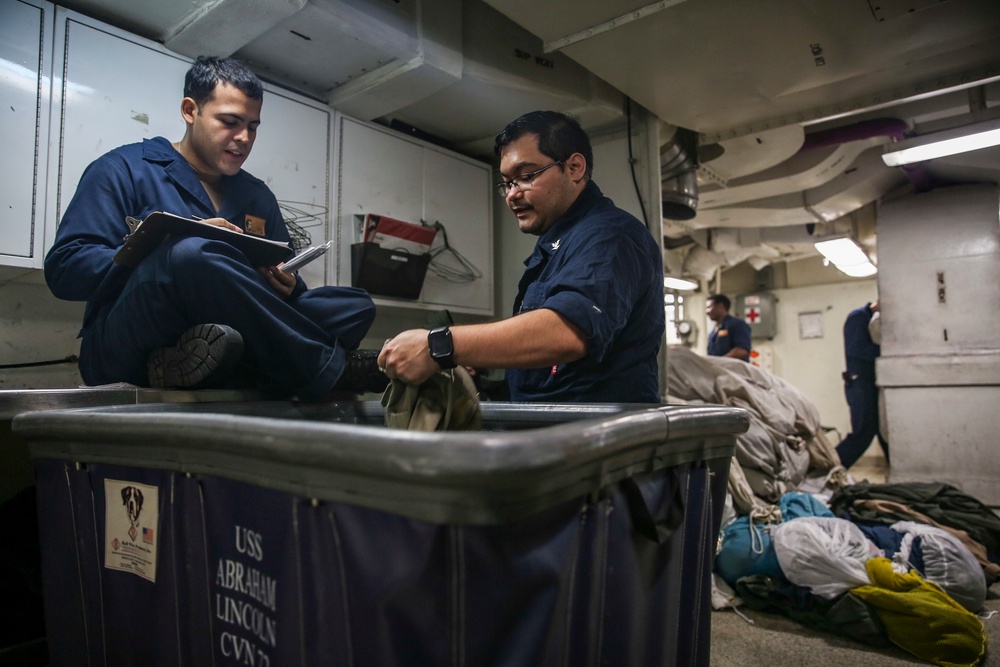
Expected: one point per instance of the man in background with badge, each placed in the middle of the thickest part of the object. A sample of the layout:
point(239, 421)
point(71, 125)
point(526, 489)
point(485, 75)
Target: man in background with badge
point(731, 335)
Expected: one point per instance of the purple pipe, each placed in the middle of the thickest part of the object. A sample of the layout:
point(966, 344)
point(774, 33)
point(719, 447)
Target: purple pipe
point(894, 128)
point(877, 127)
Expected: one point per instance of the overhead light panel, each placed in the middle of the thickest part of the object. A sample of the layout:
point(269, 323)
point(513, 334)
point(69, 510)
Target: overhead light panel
point(941, 144)
point(680, 284)
point(847, 255)
point(858, 270)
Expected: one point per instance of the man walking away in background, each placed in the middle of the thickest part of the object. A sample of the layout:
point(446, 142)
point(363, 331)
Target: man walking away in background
point(861, 349)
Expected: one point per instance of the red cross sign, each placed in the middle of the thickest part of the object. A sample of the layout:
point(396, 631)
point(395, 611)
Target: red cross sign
point(752, 315)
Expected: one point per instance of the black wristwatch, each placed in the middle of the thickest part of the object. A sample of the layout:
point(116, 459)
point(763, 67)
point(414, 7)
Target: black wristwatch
point(441, 346)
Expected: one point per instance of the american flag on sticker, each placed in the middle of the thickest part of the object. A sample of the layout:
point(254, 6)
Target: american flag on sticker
point(147, 535)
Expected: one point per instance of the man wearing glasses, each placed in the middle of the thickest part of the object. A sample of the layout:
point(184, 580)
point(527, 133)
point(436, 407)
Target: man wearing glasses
point(588, 318)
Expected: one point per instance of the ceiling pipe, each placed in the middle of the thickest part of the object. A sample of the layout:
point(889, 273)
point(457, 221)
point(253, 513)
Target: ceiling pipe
point(894, 128)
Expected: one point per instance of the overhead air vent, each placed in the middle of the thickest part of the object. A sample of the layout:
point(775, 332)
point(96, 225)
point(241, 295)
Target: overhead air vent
point(679, 175)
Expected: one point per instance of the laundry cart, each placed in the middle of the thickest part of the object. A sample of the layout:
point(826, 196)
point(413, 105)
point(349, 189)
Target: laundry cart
point(274, 534)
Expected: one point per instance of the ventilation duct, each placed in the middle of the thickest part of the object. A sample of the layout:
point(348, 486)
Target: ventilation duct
point(679, 175)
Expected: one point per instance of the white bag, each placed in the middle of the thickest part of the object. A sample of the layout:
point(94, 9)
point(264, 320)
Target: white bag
point(947, 562)
point(826, 555)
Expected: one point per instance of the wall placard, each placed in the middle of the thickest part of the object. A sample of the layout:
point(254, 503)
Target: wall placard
point(811, 325)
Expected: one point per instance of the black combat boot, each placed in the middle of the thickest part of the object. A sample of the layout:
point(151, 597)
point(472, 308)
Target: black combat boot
point(362, 374)
point(205, 356)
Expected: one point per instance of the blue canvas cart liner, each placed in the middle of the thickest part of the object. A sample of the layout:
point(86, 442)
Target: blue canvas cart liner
point(293, 534)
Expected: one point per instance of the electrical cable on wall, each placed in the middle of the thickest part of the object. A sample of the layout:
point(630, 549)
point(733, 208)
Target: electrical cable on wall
point(71, 359)
point(448, 263)
point(631, 161)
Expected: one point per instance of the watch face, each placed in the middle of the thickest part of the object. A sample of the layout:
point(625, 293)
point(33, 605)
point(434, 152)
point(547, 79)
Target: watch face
point(441, 347)
point(439, 344)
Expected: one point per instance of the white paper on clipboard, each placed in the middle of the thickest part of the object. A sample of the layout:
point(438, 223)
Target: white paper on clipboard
point(306, 256)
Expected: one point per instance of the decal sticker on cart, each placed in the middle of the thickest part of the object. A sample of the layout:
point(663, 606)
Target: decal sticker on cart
point(132, 516)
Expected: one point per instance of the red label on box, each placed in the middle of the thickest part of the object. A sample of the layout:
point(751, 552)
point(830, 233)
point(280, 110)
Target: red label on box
point(393, 234)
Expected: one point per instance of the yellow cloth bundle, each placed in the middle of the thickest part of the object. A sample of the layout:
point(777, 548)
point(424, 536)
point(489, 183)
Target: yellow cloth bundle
point(921, 618)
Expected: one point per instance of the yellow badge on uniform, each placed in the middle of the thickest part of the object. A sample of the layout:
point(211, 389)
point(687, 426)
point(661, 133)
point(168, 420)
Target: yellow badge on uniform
point(254, 225)
point(723, 332)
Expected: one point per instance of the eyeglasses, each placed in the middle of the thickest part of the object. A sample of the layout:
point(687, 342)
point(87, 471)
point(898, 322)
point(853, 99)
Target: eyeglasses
point(523, 181)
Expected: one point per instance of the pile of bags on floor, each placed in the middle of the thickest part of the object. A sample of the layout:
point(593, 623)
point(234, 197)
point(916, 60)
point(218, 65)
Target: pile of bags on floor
point(876, 580)
point(907, 564)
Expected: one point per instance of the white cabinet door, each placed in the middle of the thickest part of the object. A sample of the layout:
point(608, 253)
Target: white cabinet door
point(457, 195)
point(386, 173)
point(25, 70)
point(116, 91)
point(292, 156)
point(378, 173)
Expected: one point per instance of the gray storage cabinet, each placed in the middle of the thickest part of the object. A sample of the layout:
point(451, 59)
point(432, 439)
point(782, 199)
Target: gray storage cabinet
point(274, 534)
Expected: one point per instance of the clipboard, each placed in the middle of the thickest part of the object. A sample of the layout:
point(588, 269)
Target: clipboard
point(147, 234)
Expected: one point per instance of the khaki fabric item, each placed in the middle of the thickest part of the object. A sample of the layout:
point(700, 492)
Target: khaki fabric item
point(823, 455)
point(446, 402)
point(744, 500)
point(921, 618)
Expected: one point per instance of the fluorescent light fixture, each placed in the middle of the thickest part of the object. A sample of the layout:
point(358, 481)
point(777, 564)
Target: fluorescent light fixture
point(941, 144)
point(847, 255)
point(680, 284)
point(858, 270)
point(842, 251)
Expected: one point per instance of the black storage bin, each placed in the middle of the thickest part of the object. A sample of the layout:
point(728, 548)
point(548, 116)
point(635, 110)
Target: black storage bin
point(388, 272)
point(272, 533)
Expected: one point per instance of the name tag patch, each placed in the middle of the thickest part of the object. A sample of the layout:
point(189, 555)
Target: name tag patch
point(254, 225)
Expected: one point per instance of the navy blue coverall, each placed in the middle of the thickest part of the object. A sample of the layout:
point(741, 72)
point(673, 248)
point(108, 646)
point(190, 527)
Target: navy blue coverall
point(860, 352)
point(294, 346)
